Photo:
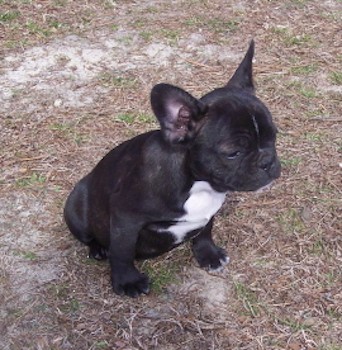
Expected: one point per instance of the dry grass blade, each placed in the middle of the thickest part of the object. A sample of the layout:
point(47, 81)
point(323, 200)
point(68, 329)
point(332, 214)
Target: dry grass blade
point(75, 82)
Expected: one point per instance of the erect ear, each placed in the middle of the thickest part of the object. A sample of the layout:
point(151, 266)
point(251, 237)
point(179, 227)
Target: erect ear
point(243, 76)
point(177, 111)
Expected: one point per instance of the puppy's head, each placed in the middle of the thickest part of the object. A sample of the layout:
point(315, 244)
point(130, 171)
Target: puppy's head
point(229, 131)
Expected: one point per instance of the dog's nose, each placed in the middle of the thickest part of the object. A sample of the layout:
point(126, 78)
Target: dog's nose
point(267, 160)
point(275, 168)
point(267, 164)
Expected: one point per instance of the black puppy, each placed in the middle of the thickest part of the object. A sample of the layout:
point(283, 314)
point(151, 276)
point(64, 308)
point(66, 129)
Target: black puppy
point(161, 188)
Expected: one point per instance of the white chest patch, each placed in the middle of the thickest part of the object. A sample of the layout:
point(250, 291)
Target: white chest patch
point(200, 207)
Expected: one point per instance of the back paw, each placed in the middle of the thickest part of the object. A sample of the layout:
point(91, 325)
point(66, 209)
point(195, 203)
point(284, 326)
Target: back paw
point(97, 251)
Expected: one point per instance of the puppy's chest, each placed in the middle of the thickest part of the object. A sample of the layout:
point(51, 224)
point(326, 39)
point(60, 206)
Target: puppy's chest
point(202, 204)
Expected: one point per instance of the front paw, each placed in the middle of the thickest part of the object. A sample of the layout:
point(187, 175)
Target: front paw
point(210, 256)
point(130, 282)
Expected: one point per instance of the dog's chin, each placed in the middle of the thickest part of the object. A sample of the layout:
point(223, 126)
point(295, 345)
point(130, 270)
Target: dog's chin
point(264, 188)
point(228, 187)
point(220, 187)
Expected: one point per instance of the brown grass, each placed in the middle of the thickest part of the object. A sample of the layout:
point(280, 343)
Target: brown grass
point(282, 289)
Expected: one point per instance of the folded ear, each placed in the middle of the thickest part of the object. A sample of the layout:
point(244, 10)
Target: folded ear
point(243, 76)
point(178, 112)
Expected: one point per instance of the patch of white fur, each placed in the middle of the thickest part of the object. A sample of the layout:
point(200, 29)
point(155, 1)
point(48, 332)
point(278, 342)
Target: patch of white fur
point(202, 204)
point(220, 269)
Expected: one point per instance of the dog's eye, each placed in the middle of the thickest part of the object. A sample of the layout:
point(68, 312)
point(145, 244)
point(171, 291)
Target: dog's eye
point(233, 155)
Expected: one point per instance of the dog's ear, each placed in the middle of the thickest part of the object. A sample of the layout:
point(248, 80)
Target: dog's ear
point(243, 76)
point(178, 112)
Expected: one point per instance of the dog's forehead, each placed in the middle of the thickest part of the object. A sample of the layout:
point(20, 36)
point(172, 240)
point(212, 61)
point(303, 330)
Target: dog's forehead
point(244, 116)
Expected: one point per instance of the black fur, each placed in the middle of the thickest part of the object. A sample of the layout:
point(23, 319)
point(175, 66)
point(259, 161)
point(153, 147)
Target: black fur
point(123, 208)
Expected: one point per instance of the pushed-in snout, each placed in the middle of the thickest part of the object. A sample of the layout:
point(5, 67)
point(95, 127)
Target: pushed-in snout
point(269, 162)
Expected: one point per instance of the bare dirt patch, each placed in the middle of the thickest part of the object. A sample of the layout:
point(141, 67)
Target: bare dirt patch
point(75, 82)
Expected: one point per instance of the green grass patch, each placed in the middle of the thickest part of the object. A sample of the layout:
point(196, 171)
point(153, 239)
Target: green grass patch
point(293, 39)
point(34, 179)
point(152, 9)
point(68, 130)
point(294, 325)
point(330, 347)
point(126, 118)
point(60, 3)
point(297, 40)
point(15, 312)
point(308, 92)
point(331, 278)
point(101, 344)
point(73, 305)
point(316, 137)
point(304, 69)
point(109, 79)
point(59, 291)
point(35, 28)
point(291, 162)
point(317, 247)
point(131, 118)
point(194, 21)
point(109, 4)
point(8, 16)
point(222, 26)
point(125, 39)
point(300, 3)
point(291, 221)
point(146, 118)
point(66, 302)
point(161, 275)
point(216, 25)
point(62, 127)
point(248, 298)
point(56, 24)
point(302, 90)
point(27, 255)
point(12, 44)
point(139, 23)
point(147, 35)
point(171, 35)
point(336, 77)
point(335, 314)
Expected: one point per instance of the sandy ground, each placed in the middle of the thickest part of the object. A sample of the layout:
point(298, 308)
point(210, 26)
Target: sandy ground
point(66, 100)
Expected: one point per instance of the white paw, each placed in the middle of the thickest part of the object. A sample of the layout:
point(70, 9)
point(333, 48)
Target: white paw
point(224, 261)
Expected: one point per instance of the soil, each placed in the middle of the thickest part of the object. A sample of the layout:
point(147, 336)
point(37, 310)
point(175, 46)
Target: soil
point(75, 82)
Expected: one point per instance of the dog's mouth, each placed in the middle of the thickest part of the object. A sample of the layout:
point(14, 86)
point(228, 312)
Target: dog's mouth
point(258, 181)
point(220, 186)
point(243, 187)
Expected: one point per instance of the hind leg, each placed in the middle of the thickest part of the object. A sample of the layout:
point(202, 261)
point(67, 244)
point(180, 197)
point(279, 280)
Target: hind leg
point(76, 214)
point(97, 251)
